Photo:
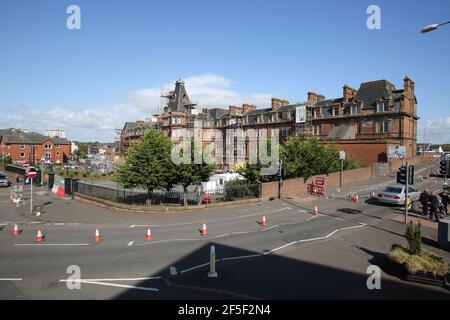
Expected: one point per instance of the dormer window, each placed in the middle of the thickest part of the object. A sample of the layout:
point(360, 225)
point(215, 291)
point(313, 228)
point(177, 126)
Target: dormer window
point(382, 106)
point(354, 109)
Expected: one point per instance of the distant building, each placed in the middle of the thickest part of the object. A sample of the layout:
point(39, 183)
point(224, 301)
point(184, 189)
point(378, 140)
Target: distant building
point(364, 122)
point(59, 133)
point(32, 147)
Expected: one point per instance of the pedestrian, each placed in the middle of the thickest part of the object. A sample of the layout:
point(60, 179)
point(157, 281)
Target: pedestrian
point(435, 203)
point(424, 200)
point(444, 200)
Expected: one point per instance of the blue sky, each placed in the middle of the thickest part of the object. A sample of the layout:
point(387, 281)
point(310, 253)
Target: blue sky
point(90, 81)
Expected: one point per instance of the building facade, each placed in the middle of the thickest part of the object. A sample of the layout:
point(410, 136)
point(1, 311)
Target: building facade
point(364, 122)
point(33, 147)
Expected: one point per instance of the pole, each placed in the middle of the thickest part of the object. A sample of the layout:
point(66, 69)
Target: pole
point(406, 192)
point(212, 264)
point(341, 177)
point(280, 170)
point(31, 197)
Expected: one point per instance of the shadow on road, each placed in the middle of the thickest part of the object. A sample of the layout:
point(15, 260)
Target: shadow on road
point(278, 277)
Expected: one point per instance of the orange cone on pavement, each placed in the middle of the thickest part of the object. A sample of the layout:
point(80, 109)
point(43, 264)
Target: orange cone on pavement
point(204, 230)
point(97, 235)
point(264, 223)
point(39, 236)
point(148, 237)
point(356, 198)
point(16, 230)
point(316, 212)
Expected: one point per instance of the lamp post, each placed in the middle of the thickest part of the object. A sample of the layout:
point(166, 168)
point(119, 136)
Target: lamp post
point(433, 27)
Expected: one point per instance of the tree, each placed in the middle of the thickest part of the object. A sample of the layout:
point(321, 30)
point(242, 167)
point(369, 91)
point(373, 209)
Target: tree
point(310, 157)
point(192, 173)
point(148, 163)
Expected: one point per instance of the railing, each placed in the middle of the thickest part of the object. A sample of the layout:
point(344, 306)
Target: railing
point(175, 197)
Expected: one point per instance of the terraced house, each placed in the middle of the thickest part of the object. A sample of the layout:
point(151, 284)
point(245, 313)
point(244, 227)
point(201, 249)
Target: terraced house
point(364, 122)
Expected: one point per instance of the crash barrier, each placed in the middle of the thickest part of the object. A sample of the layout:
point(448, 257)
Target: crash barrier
point(174, 197)
point(317, 187)
point(59, 186)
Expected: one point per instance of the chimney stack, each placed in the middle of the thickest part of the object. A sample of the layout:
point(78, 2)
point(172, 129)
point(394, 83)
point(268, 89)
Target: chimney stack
point(248, 107)
point(348, 93)
point(408, 87)
point(277, 102)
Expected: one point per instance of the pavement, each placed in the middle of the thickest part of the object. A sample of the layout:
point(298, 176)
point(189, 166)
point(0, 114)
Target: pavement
point(296, 256)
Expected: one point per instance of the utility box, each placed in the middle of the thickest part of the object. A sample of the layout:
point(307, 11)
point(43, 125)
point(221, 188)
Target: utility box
point(444, 234)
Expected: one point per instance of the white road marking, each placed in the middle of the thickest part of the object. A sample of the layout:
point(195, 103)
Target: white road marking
point(310, 218)
point(240, 257)
point(304, 211)
point(52, 244)
point(222, 235)
point(193, 268)
point(152, 242)
point(130, 243)
point(243, 232)
point(267, 229)
point(121, 286)
point(11, 279)
point(111, 279)
point(279, 248)
point(58, 223)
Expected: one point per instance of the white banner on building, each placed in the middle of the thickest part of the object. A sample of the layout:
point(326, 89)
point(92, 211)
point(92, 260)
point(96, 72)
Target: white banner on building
point(398, 152)
point(300, 114)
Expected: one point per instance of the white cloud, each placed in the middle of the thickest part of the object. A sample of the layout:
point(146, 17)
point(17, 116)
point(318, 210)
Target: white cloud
point(437, 131)
point(99, 123)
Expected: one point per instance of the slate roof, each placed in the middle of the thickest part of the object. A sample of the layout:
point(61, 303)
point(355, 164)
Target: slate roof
point(178, 98)
point(369, 92)
point(17, 136)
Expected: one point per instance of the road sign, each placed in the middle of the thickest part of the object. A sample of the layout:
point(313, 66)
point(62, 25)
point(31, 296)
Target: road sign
point(398, 152)
point(26, 164)
point(32, 174)
point(342, 155)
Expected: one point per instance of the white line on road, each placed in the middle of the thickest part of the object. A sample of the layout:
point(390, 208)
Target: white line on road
point(111, 279)
point(240, 257)
point(11, 279)
point(310, 218)
point(193, 268)
point(267, 229)
point(121, 286)
point(279, 248)
point(51, 244)
point(153, 242)
point(130, 243)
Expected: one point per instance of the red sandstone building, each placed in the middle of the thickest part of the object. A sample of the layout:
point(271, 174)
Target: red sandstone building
point(32, 147)
point(364, 122)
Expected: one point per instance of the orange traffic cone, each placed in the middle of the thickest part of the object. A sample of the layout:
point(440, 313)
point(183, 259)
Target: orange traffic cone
point(97, 235)
point(39, 236)
point(264, 223)
point(148, 237)
point(204, 230)
point(356, 198)
point(316, 212)
point(16, 230)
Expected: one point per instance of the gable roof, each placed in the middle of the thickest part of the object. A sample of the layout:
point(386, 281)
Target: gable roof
point(17, 136)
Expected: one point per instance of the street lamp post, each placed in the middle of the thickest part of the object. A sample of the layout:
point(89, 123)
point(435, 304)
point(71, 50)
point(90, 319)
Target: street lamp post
point(433, 27)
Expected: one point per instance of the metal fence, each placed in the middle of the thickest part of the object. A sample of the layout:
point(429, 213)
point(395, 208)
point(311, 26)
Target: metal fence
point(229, 192)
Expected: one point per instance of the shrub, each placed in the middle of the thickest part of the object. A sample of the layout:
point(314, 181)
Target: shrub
point(413, 234)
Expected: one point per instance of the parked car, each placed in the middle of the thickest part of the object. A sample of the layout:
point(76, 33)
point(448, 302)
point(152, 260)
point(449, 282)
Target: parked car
point(395, 194)
point(4, 182)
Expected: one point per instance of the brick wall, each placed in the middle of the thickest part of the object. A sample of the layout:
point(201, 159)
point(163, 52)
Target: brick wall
point(298, 186)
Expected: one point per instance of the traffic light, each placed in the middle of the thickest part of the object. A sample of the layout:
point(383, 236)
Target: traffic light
point(401, 175)
point(411, 175)
point(444, 167)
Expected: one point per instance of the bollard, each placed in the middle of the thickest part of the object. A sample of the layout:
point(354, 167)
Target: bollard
point(212, 264)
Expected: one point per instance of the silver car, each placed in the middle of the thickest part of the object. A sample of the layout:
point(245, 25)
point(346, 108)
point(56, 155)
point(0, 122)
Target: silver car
point(4, 182)
point(395, 194)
